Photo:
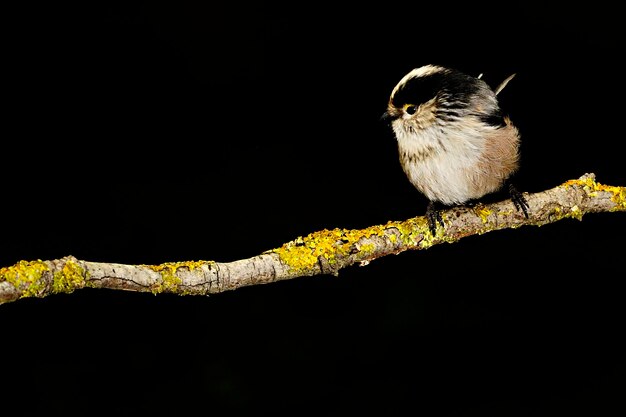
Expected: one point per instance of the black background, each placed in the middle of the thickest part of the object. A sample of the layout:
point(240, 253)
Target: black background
point(171, 131)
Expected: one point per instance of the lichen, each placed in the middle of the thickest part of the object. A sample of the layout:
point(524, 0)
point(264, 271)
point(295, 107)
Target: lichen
point(416, 232)
point(26, 276)
point(575, 213)
point(413, 231)
point(303, 253)
point(618, 197)
point(169, 280)
point(173, 266)
point(592, 187)
point(482, 212)
point(71, 277)
point(367, 248)
point(556, 213)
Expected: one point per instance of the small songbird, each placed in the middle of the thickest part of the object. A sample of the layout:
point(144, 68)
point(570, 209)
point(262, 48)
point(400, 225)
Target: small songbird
point(454, 142)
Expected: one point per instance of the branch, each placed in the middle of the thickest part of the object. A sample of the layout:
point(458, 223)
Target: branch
point(322, 252)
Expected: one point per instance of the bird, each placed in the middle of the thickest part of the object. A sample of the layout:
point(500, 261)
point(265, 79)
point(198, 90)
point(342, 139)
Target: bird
point(455, 143)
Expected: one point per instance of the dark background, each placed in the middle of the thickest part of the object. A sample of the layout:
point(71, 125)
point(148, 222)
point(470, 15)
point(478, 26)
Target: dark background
point(172, 131)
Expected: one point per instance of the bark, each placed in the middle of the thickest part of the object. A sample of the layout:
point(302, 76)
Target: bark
point(322, 252)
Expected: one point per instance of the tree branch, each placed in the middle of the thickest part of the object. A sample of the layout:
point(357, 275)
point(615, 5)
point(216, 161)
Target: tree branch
point(322, 252)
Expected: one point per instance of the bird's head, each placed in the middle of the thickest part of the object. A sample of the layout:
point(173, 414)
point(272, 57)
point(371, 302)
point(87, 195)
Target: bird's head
point(435, 96)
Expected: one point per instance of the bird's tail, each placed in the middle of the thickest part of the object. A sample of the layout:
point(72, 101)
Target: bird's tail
point(504, 83)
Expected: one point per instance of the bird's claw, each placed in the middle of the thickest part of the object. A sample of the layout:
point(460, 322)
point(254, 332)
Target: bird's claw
point(519, 201)
point(433, 216)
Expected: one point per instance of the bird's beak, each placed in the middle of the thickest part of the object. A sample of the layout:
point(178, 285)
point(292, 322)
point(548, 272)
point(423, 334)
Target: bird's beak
point(390, 115)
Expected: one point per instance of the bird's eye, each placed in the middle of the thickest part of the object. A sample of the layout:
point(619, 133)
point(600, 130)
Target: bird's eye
point(410, 108)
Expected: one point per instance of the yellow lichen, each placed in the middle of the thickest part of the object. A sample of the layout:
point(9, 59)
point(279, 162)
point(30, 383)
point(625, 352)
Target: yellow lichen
point(619, 196)
point(576, 213)
point(427, 239)
point(26, 276)
point(592, 187)
point(412, 231)
point(169, 280)
point(416, 231)
point(70, 277)
point(556, 213)
point(173, 266)
point(367, 248)
point(302, 253)
point(482, 212)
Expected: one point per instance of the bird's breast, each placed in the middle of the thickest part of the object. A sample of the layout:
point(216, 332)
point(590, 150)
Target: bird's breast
point(438, 163)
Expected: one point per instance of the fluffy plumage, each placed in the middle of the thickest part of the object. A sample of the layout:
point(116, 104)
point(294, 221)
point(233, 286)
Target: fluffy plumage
point(454, 143)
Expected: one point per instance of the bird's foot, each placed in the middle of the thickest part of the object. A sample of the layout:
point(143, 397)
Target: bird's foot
point(433, 216)
point(518, 200)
